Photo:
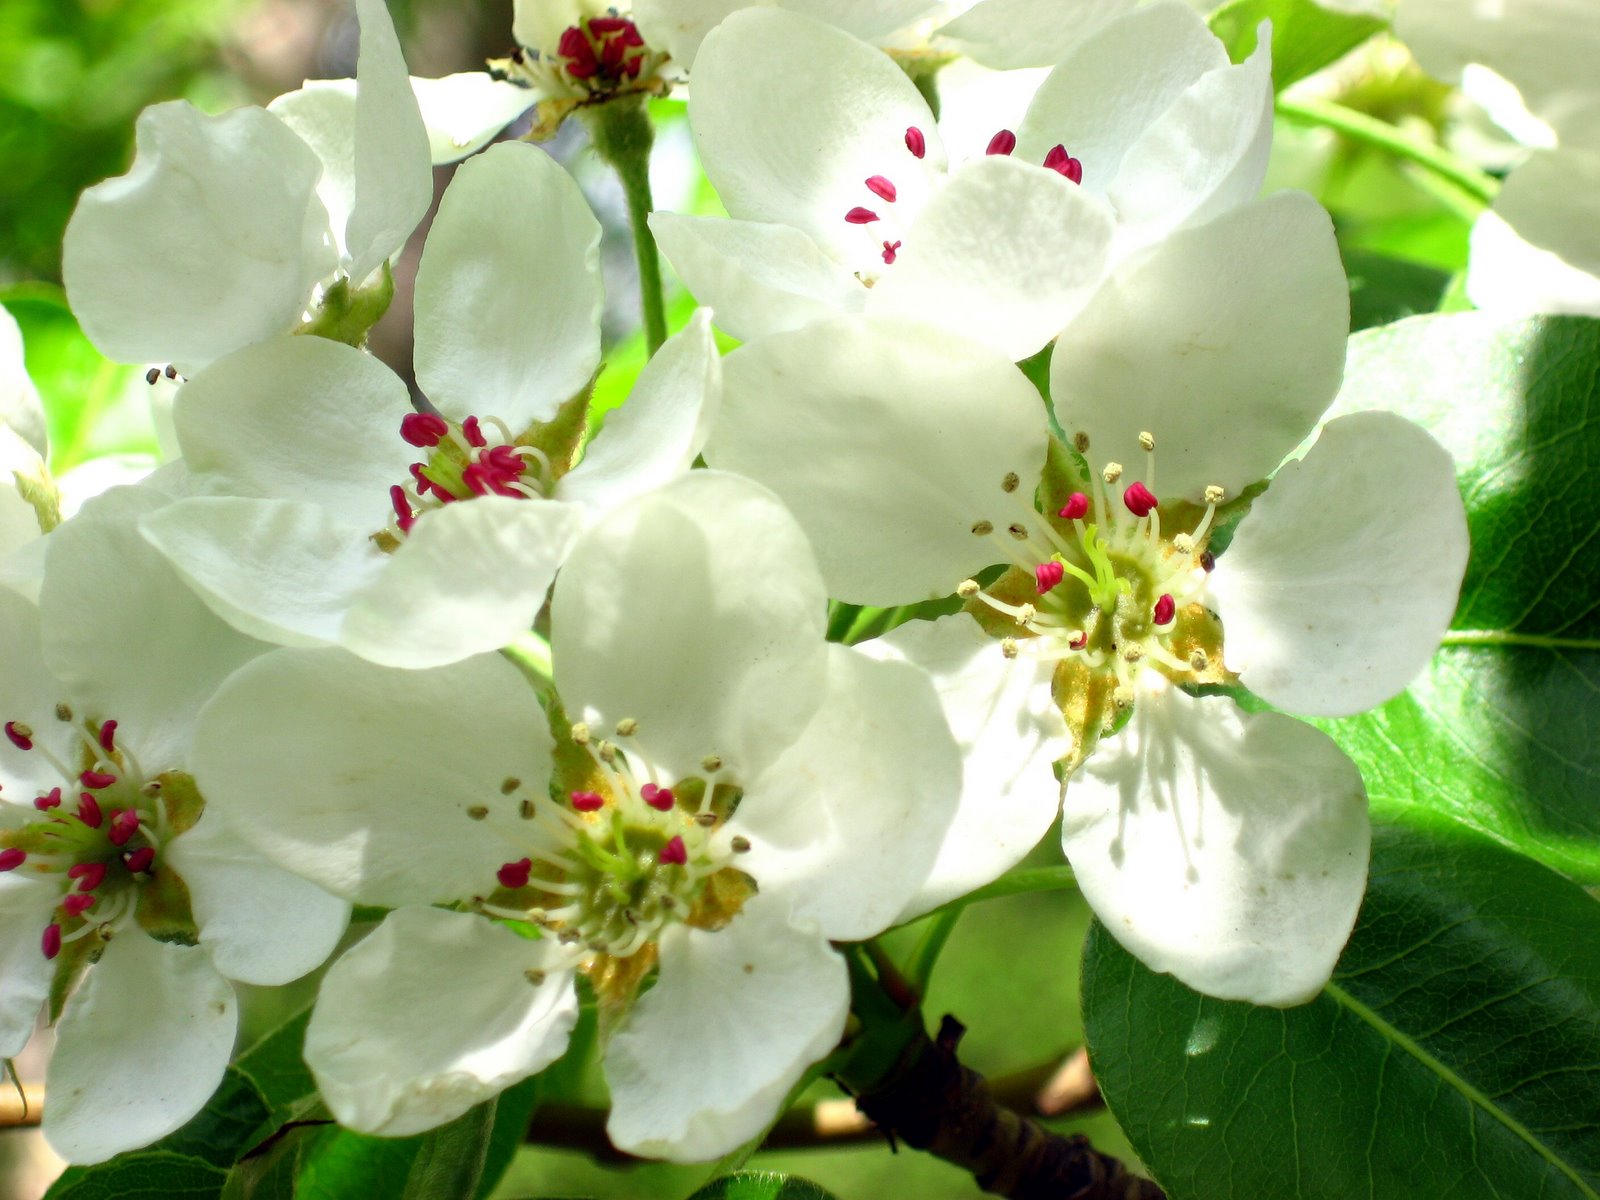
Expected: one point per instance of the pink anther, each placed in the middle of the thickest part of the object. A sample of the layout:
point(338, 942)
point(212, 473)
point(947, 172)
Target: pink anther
point(50, 943)
point(587, 801)
point(514, 875)
point(76, 903)
point(881, 188)
point(1062, 163)
point(423, 429)
point(51, 799)
point(96, 779)
point(915, 142)
point(659, 798)
point(1141, 501)
point(1076, 506)
point(124, 824)
point(1047, 574)
point(860, 216)
point(138, 861)
point(89, 810)
point(108, 736)
point(674, 853)
point(12, 858)
point(89, 875)
point(1002, 143)
point(20, 735)
point(890, 252)
point(473, 432)
point(1166, 609)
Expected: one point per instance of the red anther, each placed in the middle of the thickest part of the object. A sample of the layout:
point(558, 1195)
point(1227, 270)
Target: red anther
point(423, 429)
point(1003, 142)
point(96, 779)
point(587, 801)
point(612, 53)
point(1139, 499)
point(860, 216)
point(13, 858)
point(426, 485)
point(108, 736)
point(915, 142)
point(403, 516)
point(1166, 609)
point(889, 252)
point(514, 875)
point(1078, 641)
point(1047, 574)
point(124, 824)
point(631, 35)
point(659, 798)
point(19, 738)
point(1076, 506)
point(138, 861)
point(89, 875)
point(1208, 561)
point(575, 48)
point(881, 188)
point(473, 432)
point(674, 854)
point(1059, 161)
point(50, 800)
point(89, 810)
point(50, 943)
point(76, 903)
point(600, 26)
point(631, 67)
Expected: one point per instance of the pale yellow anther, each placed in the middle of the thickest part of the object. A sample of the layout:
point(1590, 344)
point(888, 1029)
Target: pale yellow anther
point(1010, 482)
point(1112, 473)
point(711, 762)
point(1122, 697)
point(527, 810)
point(18, 729)
point(509, 784)
point(1147, 441)
point(1215, 494)
point(63, 712)
point(580, 733)
point(627, 727)
point(1026, 613)
point(534, 976)
point(477, 812)
point(153, 788)
point(741, 845)
point(607, 752)
point(1020, 532)
point(1183, 543)
point(1132, 653)
point(983, 528)
point(1008, 647)
point(967, 589)
point(1198, 659)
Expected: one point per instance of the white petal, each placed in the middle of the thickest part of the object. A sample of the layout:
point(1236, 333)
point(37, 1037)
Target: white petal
point(463, 112)
point(361, 778)
point(1203, 156)
point(259, 923)
point(1010, 731)
point(678, 26)
point(1004, 253)
point(759, 278)
point(805, 165)
point(300, 418)
point(697, 610)
point(707, 1055)
point(889, 441)
point(1225, 848)
point(29, 692)
point(26, 906)
point(273, 569)
point(322, 113)
point(211, 241)
point(1225, 341)
point(393, 171)
point(538, 24)
point(1009, 34)
point(1341, 580)
point(1114, 84)
point(846, 824)
point(432, 1014)
point(1538, 249)
point(658, 433)
point(150, 660)
point(508, 291)
point(469, 578)
point(19, 399)
point(871, 21)
point(141, 1047)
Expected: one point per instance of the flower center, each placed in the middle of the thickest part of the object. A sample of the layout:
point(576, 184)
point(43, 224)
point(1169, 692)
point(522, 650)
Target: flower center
point(1103, 590)
point(99, 837)
point(599, 57)
point(878, 218)
point(478, 457)
point(609, 866)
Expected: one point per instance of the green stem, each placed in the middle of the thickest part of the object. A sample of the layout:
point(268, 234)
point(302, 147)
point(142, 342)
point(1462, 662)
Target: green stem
point(622, 135)
point(1030, 879)
point(1358, 126)
point(1499, 637)
point(940, 925)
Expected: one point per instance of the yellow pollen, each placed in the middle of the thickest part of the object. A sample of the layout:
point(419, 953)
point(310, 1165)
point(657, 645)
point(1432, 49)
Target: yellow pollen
point(1112, 473)
point(1215, 494)
point(967, 589)
point(1010, 482)
point(580, 734)
point(1147, 441)
point(627, 727)
point(1008, 647)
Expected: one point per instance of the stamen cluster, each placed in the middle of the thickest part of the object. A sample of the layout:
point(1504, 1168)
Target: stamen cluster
point(465, 463)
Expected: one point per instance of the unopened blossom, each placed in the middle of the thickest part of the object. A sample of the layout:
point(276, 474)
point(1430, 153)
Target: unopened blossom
point(123, 895)
point(856, 204)
point(330, 511)
point(28, 501)
point(1224, 847)
point(1535, 250)
point(228, 230)
point(723, 795)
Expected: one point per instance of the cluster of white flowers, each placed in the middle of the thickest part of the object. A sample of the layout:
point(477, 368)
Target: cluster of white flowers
point(266, 682)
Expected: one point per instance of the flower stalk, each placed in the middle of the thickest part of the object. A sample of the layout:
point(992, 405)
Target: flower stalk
point(622, 135)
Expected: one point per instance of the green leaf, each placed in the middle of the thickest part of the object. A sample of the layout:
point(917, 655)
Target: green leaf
point(512, 1116)
point(275, 1066)
point(1384, 289)
point(1501, 730)
point(147, 1175)
point(1305, 36)
point(761, 1185)
point(449, 1162)
point(341, 1165)
point(1456, 1051)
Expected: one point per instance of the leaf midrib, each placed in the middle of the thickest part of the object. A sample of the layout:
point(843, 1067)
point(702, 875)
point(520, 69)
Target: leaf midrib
point(1472, 1094)
point(1502, 637)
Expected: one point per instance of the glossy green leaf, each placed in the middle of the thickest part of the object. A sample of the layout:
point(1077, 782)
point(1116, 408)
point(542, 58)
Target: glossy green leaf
point(761, 1185)
point(1384, 289)
point(147, 1175)
point(449, 1162)
point(1502, 731)
point(512, 1115)
point(1305, 36)
point(1456, 1052)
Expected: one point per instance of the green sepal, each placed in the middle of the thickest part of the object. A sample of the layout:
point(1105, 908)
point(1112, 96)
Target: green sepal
point(574, 767)
point(182, 800)
point(1065, 472)
point(559, 438)
point(348, 314)
point(164, 910)
point(72, 962)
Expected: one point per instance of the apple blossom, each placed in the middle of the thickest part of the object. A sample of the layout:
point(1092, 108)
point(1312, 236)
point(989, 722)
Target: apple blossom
point(129, 905)
point(924, 459)
point(228, 229)
point(847, 204)
point(733, 793)
point(332, 512)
